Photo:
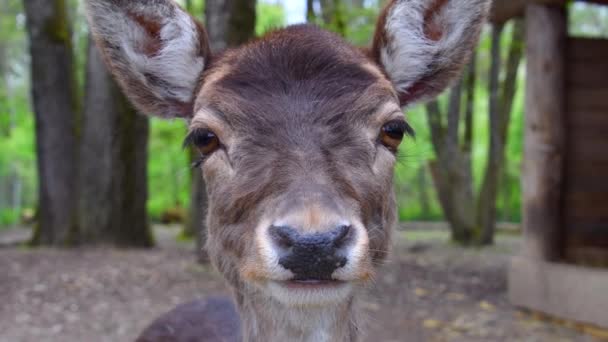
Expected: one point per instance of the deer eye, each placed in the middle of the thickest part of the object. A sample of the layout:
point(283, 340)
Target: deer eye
point(204, 140)
point(392, 134)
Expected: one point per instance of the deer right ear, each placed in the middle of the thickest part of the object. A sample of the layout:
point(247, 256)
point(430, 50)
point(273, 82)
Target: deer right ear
point(422, 45)
point(155, 50)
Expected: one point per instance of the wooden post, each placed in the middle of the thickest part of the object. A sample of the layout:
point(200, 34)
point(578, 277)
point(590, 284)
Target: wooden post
point(544, 148)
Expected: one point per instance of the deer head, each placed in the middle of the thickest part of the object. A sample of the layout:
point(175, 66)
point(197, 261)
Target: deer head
point(298, 132)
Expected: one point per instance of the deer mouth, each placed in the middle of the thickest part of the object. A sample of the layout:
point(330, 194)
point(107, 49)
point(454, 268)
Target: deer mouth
point(313, 283)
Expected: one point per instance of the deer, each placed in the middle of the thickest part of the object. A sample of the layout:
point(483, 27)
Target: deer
point(298, 134)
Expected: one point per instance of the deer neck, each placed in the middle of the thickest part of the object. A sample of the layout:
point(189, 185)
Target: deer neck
point(264, 319)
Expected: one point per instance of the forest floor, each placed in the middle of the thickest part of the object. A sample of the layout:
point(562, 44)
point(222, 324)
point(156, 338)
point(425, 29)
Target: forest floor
point(428, 291)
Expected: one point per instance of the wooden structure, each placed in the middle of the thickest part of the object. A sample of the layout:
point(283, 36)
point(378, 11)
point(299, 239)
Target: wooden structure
point(563, 268)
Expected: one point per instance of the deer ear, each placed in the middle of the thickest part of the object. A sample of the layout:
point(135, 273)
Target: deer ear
point(155, 50)
point(423, 44)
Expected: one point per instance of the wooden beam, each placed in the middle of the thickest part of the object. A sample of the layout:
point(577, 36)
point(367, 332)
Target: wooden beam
point(544, 147)
point(570, 292)
point(503, 10)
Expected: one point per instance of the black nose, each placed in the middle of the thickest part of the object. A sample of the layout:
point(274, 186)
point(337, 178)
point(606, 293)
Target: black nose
point(312, 256)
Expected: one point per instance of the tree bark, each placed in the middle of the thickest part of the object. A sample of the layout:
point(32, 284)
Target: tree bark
point(509, 87)
point(471, 80)
point(230, 22)
point(486, 209)
point(333, 16)
point(311, 16)
point(113, 172)
point(423, 193)
point(54, 99)
point(500, 116)
point(241, 25)
point(451, 170)
point(503, 10)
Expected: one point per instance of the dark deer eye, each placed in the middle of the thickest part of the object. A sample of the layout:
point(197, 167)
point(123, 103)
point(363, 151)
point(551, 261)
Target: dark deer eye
point(392, 134)
point(204, 140)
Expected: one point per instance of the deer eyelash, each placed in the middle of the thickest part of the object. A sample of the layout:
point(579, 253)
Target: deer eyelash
point(197, 163)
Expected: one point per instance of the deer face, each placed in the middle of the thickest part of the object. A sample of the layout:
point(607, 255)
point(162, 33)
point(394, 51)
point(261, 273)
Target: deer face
point(297, 131)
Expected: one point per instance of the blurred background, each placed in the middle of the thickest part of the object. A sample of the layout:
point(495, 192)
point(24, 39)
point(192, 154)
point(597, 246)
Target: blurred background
point(78, 167)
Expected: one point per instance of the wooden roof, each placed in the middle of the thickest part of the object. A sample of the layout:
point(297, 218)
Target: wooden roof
point(503, 10)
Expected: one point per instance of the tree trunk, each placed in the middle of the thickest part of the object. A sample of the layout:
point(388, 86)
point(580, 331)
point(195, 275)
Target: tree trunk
point(451, 171)
point(333, 16)
point(471, 80)
point(113, 172)
point(230, 22)
point(327, 10)
point(217, 14)
point(423, 193)
point(53, 95)
point(500, 116)
point(455, 196)
point(486, 210)
point(311, 16)
point(241, 26)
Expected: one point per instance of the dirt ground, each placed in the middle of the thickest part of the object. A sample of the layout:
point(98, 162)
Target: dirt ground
point(428, 291)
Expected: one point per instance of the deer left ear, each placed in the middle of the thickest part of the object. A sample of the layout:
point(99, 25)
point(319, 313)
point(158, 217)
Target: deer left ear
point(423, 44)
point(155, 50)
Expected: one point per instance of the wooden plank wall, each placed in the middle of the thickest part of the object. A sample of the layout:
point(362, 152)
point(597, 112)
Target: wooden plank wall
point(585, 199)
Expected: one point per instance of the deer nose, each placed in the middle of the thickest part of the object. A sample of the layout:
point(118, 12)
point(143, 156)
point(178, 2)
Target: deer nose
point(312, 256)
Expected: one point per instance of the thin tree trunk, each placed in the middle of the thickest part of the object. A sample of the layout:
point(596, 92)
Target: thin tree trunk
point(217, 14)
point(516, 52)
point(424, 197)
point(230, 22)
point(436, 126)
point(500, 116)
point(333, 15)
point(327, 11)
point(241, 25)
point(486, 210)
point(450, 170)
point(311, 17)
point(53, 95)
point(471, 79)
point(113, 174)
point(454, 115)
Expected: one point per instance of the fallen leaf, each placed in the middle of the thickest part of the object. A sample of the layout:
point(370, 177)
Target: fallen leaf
point(431, 323)
point(486, 306)
point(455, 296)
point(420, 292)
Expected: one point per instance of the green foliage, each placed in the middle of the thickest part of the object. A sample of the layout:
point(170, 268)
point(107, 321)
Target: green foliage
point(168, 167)
point(269, 17)
point(8, 217)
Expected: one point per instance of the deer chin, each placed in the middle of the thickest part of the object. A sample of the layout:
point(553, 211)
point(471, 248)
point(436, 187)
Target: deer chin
point(309, 292)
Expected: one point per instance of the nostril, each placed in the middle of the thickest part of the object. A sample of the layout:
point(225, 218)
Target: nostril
point(283, 236)
point(342, 235)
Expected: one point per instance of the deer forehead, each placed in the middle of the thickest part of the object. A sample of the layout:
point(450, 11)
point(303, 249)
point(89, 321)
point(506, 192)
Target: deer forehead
point(301, 75)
